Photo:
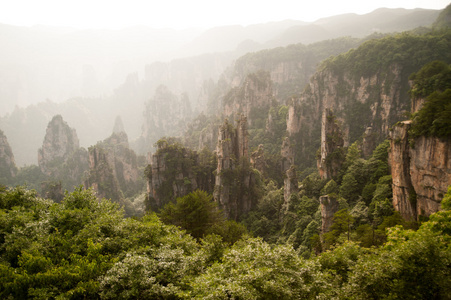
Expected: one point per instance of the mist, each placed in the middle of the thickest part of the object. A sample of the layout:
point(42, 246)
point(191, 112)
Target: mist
point(91, 76)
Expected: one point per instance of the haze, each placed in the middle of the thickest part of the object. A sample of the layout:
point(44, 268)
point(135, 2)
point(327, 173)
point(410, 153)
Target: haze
point(91, 61)
point(180, 14)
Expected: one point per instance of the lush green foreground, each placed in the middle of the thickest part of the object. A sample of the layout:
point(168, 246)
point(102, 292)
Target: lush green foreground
point(83, 248)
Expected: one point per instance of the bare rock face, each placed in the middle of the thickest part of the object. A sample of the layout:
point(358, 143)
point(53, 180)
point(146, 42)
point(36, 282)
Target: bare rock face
point(329, 206)
point(60, 142)
point(287, 153)
point(399, 160)
point(421, 174)
point(372, 100)
point(8, 167)
point(290, 182)
point(430, 171)
point(290, 185)
point(369, 142)
point(234, 178)
point(332, 157)
point(114, 168)
point(258, 159)
point(208, 137)
point(60, 158)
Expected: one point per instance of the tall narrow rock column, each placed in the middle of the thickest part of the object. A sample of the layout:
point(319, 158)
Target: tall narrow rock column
point(332, 157)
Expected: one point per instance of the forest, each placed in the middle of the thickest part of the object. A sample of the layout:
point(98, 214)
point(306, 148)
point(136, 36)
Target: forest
point(82, 248)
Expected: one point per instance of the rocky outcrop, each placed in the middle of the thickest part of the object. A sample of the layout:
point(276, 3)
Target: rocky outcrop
point(399, 159)
point(175, 171)
point(258, 159)
point(8, 169)
point(114, 169)
point(332, 152)
point(60, 142)
point(251, 98)
point(430, 171)
point(361, 92)
point(287, 153)
point(374, 101)
point(421, 171)
point(235, 179)
point(290, 185)
point(289, 68)
point(60, 158)
point(369, 142)
point(329, 206)
point(101, 177)
point(166, 114)
point(290, 181)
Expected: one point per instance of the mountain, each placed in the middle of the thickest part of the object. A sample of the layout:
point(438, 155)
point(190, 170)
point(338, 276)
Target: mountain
point(382, 20)
point(8, 167)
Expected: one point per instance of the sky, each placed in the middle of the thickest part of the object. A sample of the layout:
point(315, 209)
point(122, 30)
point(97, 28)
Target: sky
point(184, 14)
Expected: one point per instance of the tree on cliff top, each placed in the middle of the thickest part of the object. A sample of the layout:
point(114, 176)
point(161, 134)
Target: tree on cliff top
point(444, 19)
point(433, 81)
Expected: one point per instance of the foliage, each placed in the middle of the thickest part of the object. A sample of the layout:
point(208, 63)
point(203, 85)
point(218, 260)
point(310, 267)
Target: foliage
point(434, 76)
point(407, 49)
point(85, 248)
point(446, 202)
point(432, 82)
point(181, 166)
point(412, 265)
point(196, 213)
point(252, 269)
point(434, 118)
point(444, 19)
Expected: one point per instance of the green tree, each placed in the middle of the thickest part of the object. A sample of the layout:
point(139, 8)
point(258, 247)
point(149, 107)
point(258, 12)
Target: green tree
point(196, 213)
point(253, 269)
point(434, 118)
point(342, 223)
point(349, 188)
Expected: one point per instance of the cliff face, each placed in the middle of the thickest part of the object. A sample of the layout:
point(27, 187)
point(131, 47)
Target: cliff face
point(61, 158)
point(101, 177)
point(8, 167)
point(290, 181)
point(430, 172)
point(114, 169)
point(175, 171)
point(234, 178)
point(289, 68)
point(287, 153)
point(372, 101)
point(290, 185)
point(251, 98)
point(329, 206)
point(258, 159)
point(421, 174)
point(166, 114)
point(365, 87)
point(60, 142)
point(332, 154)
